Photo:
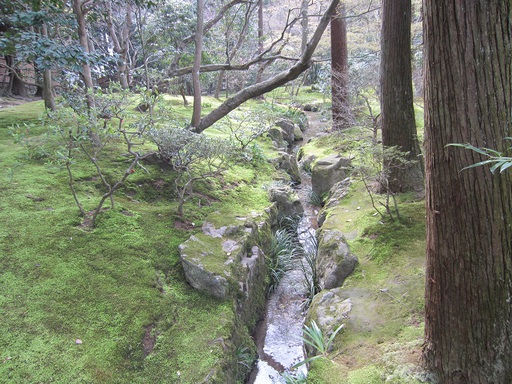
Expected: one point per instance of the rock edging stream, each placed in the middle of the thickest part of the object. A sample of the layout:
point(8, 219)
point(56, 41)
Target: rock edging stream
point(227, 262)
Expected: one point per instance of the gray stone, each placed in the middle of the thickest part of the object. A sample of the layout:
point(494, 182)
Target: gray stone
point(288, 163)
point(334, 260)
point(328, 171)
point(277, 135)
point(288, 130)
point(197, 274)
point(297, 132)
point(330, 309)
point(287, 201)
point(336, 193)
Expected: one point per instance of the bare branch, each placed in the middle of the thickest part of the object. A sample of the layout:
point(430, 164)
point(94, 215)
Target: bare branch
point(280, 79)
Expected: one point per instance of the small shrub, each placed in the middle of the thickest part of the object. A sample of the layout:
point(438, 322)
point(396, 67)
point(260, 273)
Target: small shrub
point(315, 339)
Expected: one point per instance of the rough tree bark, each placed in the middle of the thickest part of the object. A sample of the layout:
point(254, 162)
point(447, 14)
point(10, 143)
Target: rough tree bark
point(80, 9)
point(196, 115)
point(339, 71)
point(280, 79)
point(468, 99)
point(397, 111)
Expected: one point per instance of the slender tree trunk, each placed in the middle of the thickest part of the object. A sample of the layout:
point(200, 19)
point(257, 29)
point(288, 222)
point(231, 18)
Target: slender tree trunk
point(339, 71)
point(121, 43)
point(261, 66)
point(196, 116)
point(48, 94)
point(84, 43)
point(468, 99)
point(397, 111)
point(304, 24)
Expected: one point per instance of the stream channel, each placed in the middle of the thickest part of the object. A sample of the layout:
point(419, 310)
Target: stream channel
point(278, 334)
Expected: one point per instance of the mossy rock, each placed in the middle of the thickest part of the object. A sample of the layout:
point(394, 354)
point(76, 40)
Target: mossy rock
point(334, 260)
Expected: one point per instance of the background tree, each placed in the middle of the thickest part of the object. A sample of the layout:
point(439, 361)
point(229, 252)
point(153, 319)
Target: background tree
point(468, 88)
point(397, 111)
point(196, 115)
point(339, 71)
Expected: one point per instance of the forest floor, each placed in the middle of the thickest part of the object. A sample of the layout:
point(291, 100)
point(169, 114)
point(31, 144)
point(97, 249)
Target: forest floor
point(112, 306)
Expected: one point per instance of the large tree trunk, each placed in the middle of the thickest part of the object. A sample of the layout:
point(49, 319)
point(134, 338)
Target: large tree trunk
point(196, 115)
point(339, 71)
point(397, 112)
point(17, 87)
point(468, 99)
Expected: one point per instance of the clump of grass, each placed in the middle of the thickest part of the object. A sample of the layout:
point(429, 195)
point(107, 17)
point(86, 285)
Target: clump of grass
point(309, 271)
point(280, 255)
point(315, 340)
point(314, 198)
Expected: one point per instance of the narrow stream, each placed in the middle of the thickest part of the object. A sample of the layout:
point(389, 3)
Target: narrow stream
point(280, 332)
point(278, 335)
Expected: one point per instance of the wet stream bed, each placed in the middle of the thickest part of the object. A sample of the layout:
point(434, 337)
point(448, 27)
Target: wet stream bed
point(278, 334)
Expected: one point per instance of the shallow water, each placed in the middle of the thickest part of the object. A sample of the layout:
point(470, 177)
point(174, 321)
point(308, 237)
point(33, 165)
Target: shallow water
point(279, 338)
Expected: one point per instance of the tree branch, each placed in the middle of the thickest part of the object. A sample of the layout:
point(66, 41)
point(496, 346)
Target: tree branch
point(280, 79)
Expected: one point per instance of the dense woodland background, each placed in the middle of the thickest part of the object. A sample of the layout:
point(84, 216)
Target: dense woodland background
point(106, 69)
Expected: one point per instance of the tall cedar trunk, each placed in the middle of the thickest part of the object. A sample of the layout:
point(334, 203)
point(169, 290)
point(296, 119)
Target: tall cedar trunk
point(339, 71)
point(196, 116)
point(397, 112)
point(468, 99)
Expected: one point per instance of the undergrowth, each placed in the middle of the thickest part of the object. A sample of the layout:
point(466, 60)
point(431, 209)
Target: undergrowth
point(109, 305)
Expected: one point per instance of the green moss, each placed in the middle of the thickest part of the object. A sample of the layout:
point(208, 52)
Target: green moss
point(120, 288)
point(367, 375)
point(325, 371)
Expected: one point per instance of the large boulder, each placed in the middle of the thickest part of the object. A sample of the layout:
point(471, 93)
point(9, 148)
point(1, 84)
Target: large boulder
point(287, 201)
point(288, 163)
point(334, 262)
point(288, 128)
point(277, 135)
point(328, 171)
point(336, 194)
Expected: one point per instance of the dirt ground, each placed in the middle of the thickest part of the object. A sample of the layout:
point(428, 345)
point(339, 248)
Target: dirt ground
point(6, 102)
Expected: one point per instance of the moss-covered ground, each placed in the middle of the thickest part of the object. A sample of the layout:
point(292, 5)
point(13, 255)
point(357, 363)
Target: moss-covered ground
point(108, 305)
point(381, 341)
point(111, 305)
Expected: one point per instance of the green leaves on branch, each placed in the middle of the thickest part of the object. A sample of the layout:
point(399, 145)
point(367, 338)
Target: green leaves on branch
point(498, 159)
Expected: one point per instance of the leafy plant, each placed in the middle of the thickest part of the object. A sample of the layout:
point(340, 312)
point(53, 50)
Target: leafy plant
point(498, 159)
point(294, 378)
point(192, 156)
point(281, 251)
point(314, 338)
point(309, 270)
point(373, 169)
point(314, 198)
